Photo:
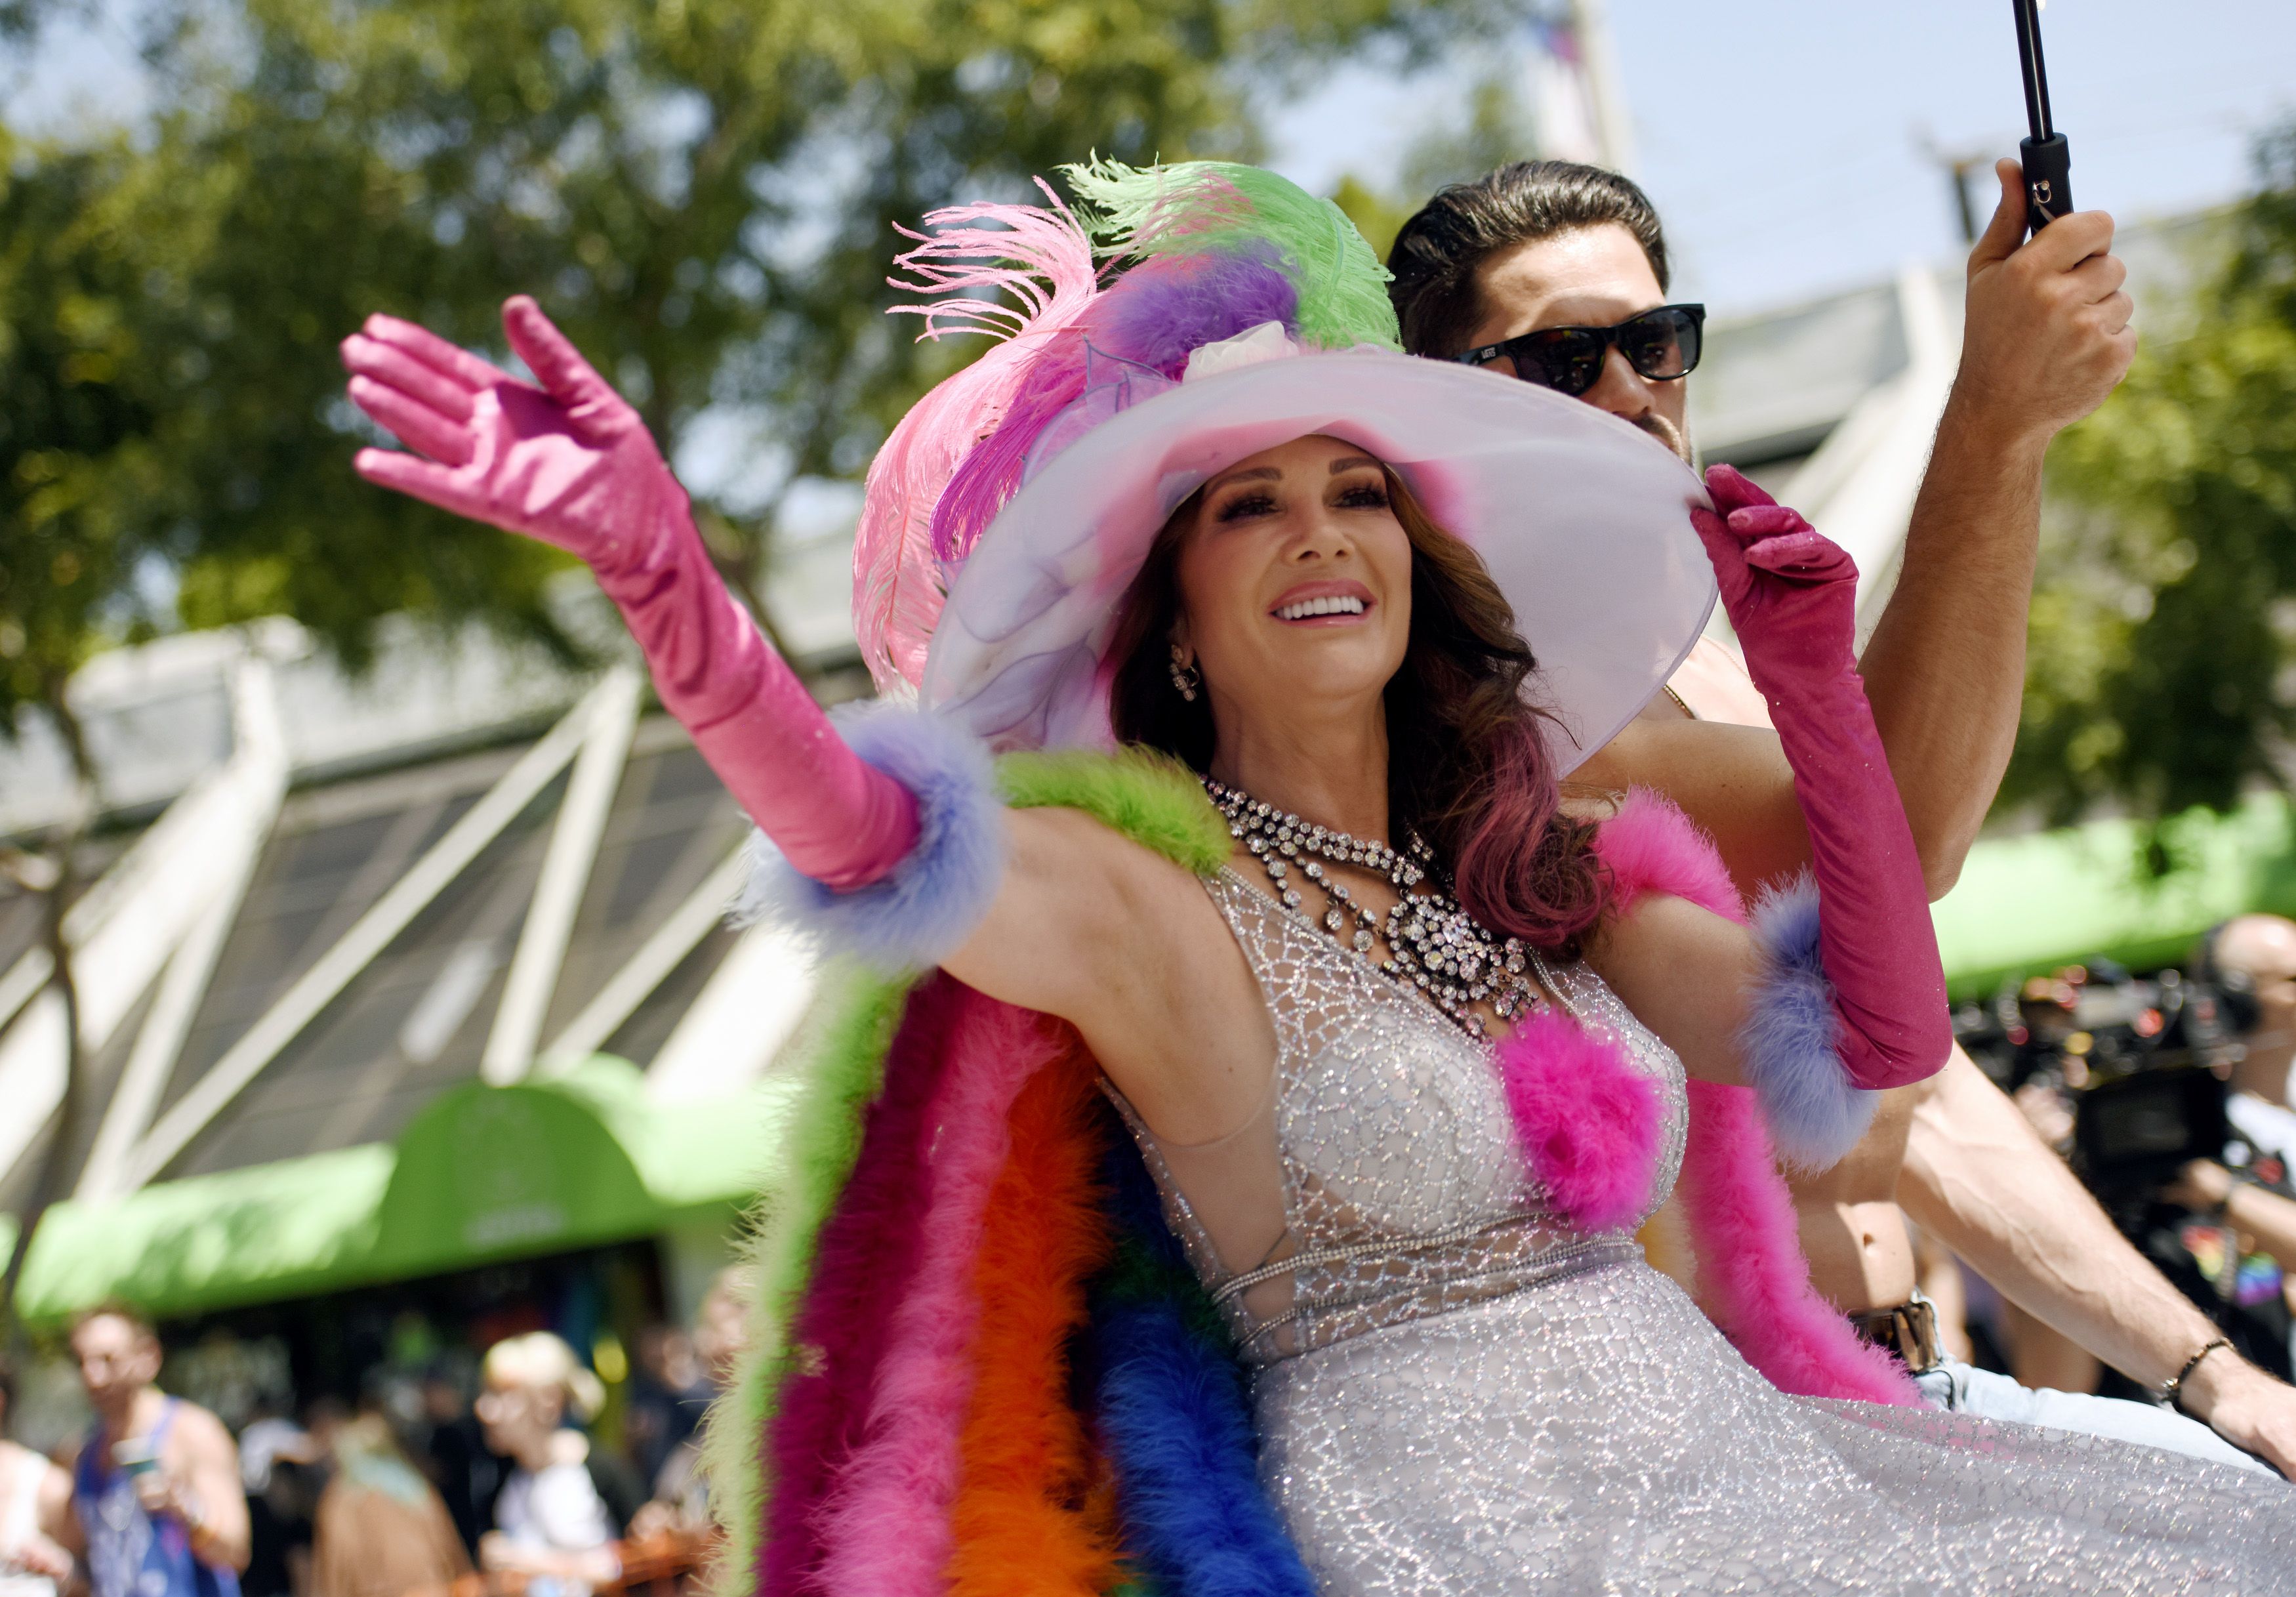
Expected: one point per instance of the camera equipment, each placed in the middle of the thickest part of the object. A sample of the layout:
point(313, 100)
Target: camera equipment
point(2047, 158)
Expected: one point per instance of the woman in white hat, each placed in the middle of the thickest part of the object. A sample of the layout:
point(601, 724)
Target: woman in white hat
point(1410, 1067)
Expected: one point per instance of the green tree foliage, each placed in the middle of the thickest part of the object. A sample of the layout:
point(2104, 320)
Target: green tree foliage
point(2163, 665)
point(703, 192)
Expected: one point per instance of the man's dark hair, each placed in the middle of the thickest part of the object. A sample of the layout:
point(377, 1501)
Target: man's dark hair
point(1439, 250)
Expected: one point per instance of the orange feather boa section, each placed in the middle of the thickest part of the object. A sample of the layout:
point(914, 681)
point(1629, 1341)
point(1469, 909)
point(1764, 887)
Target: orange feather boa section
point(1029, 1518)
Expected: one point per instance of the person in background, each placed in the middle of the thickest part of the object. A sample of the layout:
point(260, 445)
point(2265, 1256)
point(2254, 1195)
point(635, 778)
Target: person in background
point(33, 1493)
point(157, 1507)
point(2250, 961)
point(666, 1398)
point(551, 1524)
point(455, 1455)
point(681, 1494)
point(1556, 273)
point(276, 1456)
point(381, 1529)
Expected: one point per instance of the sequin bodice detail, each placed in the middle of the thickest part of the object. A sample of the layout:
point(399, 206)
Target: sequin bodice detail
point(1404, 1191)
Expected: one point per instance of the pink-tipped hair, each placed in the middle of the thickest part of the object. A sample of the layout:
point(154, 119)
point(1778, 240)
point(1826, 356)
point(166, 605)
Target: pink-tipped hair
point(1752, 1278)
point(885, 1529)
point(1041, 258)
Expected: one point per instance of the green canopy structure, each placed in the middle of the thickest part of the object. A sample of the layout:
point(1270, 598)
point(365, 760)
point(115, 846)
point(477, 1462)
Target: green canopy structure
point(482, 1175)
point(2032, 903)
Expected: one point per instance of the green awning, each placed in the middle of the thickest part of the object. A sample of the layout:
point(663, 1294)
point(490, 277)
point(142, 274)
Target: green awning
point(2030, 903)
point(482, 1175)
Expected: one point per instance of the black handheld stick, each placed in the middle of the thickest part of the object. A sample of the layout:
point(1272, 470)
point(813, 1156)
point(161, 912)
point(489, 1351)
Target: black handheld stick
point(2047, 158)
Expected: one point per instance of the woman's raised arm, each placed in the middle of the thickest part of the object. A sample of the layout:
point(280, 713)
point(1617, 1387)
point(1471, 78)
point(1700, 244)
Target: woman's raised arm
point(1843, 966)
point(891, 820)
point(570, 462)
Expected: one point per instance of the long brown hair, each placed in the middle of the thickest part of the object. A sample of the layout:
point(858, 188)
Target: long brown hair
point(1468, 768)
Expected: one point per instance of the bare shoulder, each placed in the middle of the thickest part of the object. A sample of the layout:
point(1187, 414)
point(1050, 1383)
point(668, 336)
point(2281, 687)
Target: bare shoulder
point(201, 1434)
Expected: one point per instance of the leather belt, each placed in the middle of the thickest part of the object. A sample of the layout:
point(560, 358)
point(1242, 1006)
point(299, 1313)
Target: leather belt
point(1909, 1330)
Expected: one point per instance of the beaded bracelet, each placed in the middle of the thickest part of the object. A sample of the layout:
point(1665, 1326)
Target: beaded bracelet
point(2173, 1389)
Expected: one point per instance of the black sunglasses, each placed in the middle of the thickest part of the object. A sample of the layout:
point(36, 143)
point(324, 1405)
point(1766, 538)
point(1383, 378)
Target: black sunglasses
point(1661, 344)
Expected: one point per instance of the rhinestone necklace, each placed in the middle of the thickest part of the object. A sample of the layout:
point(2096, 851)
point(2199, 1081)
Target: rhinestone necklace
point(1433, 943)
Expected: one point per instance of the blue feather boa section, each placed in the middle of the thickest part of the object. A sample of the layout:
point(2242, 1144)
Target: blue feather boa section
point(927, 905)
point(1789, 1041)
point(1170, 1403)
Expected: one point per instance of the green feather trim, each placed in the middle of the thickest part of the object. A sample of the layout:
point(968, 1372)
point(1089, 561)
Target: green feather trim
point(1199, 205)
point(1150, 798)
point(819, 1146)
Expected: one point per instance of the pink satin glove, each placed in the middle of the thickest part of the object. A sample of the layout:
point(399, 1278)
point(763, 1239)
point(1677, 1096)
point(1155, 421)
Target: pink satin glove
point(1791, 594)
point(570, 462)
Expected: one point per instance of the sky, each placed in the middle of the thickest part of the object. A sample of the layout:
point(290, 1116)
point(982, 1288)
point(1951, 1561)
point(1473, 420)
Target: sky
point(1783, 139)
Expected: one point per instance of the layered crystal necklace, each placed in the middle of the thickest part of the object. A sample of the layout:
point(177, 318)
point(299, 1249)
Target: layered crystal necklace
point(1433, 943)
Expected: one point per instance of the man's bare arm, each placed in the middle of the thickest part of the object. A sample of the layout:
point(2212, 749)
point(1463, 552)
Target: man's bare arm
point(1978, 1178)
point(2046, 341)
point(209, 1490)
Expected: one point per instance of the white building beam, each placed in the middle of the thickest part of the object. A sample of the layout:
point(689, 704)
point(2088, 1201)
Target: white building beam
point(612, 710)
point(678, 935)
point(368, 937)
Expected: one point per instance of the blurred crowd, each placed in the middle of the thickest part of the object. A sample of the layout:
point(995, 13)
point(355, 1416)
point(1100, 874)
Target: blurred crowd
point(413, 1488)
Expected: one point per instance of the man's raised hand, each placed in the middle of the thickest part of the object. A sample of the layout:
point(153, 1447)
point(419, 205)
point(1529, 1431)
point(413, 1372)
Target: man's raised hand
point(2047, 336)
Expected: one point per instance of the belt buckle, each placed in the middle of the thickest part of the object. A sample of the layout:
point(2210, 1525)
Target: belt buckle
point(1916, 1327)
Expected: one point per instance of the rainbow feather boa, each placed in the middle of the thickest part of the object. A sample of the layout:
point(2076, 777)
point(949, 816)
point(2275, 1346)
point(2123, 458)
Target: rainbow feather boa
point(978, 1362)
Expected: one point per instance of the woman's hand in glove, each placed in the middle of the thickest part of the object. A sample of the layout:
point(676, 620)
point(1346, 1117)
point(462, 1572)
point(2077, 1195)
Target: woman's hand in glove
point(1789, 591)
point(569, 463)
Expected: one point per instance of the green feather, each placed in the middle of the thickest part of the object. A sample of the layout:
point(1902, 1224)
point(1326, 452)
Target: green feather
point(1199, 205)
point(1150, 798)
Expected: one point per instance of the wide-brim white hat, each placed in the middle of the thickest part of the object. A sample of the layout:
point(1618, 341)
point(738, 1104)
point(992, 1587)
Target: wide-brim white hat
point(1583, 520)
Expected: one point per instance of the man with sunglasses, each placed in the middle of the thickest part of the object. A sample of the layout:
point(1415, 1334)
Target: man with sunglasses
point(1556, 273)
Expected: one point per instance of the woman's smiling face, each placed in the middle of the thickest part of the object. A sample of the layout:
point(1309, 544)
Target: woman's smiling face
point(1295, 581)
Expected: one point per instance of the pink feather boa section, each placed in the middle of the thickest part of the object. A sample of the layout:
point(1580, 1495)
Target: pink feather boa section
point(1752, 1279)
point(866, 1257)
point(885, 1532)
point(1587, 1121)
point(1751, 1275)
point(1650, 846)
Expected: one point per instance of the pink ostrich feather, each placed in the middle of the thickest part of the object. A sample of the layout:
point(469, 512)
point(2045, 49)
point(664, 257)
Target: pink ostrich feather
point(867, 1256)
point(1588, 1123)
point(1751, 1275)
point(885, 1530)
point(1040, 257)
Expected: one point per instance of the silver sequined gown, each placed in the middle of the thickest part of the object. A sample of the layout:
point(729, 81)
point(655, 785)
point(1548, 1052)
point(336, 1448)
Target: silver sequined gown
point(1457, 1393)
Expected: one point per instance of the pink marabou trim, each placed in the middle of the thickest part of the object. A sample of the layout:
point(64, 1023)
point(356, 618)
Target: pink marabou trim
point(885, 1532)
point(1650, 846)
point(1588, 1123)
point(866, 1258)
point(1752, 1278)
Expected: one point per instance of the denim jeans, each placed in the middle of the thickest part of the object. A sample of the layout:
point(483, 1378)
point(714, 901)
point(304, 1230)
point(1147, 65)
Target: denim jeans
point(1962, 1388)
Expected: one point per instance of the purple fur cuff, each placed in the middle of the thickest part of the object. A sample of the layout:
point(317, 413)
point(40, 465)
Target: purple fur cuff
point(916, 915)
point(1792, 1061)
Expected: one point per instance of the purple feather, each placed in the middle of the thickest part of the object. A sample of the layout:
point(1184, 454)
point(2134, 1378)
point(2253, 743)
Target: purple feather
point(1163, 309)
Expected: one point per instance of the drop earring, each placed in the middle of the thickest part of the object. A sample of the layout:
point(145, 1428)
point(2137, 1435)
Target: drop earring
point(1184, 677)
